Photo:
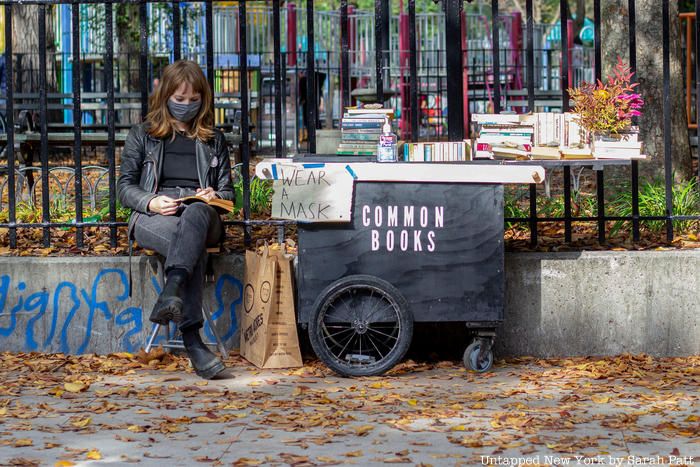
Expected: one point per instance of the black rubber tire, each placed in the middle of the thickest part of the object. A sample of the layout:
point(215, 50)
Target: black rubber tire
point(352, 295)
point(471, 357)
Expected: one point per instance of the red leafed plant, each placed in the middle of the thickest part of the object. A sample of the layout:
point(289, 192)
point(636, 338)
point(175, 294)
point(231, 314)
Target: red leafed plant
point(608, 107)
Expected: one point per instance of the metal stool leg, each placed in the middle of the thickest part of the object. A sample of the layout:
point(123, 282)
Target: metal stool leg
point(177, 343)
point(219, 342)
point(152, 338)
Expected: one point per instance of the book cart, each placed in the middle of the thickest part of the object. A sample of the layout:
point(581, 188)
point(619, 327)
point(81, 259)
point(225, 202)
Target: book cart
point(424, 243)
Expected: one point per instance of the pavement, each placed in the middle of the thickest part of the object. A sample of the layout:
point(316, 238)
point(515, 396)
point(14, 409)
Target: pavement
point(142, 409)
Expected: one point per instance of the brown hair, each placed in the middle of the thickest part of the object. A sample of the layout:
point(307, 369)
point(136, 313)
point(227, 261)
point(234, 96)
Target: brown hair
point(160, 122)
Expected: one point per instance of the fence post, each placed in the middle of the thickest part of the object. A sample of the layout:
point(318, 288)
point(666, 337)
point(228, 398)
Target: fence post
point(10, 120)
point(109, 78)
point(143, 58)
point(77, 123)
point(455, 92)
point(245, 137)
point(496, 54)
point(310, 77)
point(413, 66)
point(44, 129)
point(668, 160)
point(278, 77)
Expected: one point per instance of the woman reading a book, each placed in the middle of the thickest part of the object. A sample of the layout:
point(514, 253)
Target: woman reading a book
point(174, 154)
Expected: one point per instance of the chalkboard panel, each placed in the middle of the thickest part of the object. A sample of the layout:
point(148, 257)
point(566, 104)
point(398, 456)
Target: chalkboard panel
point(440, 245)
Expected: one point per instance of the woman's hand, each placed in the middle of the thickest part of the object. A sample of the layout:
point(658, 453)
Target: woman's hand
point(207, 193)
point(164, 205)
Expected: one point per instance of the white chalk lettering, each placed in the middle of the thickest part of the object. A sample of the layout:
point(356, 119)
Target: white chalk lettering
point(404, 240)
point(417, 246)
point(393, 216)
point(408, 216)
point(424, 217)
point(375, 240)
point(431, 241)
point(365, 216)
point(439, 217)
point(378, 216)
point(389, 240)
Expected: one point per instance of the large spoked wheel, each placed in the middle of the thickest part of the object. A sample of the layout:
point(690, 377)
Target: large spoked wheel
point(362, 326)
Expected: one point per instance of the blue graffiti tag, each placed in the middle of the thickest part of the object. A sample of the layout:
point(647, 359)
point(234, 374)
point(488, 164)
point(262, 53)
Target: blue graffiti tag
point(66, 300)
point(218, 296)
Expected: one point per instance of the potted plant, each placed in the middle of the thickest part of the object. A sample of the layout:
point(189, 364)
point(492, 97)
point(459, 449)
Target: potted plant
point(605, 110)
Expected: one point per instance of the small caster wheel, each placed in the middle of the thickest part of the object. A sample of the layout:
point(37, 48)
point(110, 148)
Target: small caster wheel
point(475, 359)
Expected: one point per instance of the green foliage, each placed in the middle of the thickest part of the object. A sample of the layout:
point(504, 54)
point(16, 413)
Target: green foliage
point(652, 202)
point(260, 195)
point(514, 206)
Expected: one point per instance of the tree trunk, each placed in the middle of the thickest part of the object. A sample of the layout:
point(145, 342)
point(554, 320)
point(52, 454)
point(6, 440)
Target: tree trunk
point(127, 30)
point(615, 41)
point(25, 47)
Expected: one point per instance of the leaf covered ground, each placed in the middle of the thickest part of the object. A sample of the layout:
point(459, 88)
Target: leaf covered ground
point(150, 409)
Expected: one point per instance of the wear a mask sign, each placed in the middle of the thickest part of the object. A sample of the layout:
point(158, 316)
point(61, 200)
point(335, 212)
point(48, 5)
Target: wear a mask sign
point(312, 193)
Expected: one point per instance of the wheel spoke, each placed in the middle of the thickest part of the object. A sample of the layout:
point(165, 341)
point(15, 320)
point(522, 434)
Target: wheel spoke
point(346, 345)
point(383, 334)
point(345, 313)
point(329, 336)
point(369, 338)
point(350, 308)
point(388, 306)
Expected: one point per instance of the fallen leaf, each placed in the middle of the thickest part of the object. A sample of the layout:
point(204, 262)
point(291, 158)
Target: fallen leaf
point(600, 399)
point(94, 455)
point(81, 422)
point(75, 387)
point(363, 430)
point(354, 454)
point(63, 463)
point(22, 442)
point(245, 461)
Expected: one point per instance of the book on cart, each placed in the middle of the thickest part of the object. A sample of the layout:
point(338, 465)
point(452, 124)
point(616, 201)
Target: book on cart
point(545, 153)
point(440, 151)
point(360, 129)
point(576, 153)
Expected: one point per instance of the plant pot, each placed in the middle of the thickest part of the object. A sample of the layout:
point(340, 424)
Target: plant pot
point(622, 145)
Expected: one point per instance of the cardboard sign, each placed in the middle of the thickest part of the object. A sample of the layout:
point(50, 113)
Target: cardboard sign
point(312, 193)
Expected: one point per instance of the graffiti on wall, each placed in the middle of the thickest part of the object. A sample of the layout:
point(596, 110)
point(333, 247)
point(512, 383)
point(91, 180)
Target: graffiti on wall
point(65, 317)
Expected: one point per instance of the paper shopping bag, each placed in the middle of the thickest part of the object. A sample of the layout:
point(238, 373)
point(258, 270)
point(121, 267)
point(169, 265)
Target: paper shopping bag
point(282, 342)
point(260, 285)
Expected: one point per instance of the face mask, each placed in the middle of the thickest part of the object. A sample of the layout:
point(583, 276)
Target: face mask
point(184, 112)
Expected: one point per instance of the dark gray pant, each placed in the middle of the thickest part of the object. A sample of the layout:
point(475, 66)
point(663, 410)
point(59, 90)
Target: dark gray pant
point(183, 239)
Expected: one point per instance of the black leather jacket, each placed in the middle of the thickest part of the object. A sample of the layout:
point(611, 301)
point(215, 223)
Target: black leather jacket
point(142, 161)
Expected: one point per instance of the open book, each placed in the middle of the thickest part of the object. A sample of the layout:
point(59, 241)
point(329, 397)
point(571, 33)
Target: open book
point(222, 206)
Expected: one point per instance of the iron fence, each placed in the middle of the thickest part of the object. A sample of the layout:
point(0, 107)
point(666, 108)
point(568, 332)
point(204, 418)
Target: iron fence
point(418, 71)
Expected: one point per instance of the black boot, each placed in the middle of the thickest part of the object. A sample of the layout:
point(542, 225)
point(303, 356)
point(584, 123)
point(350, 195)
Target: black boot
point(169, 305)
point(205, 363)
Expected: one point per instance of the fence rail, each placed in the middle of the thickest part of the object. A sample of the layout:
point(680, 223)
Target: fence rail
point(454, 57)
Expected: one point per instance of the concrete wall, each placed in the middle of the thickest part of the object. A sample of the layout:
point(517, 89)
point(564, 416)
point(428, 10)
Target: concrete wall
point(557, 304)
point(82, 305)
point(602, 303)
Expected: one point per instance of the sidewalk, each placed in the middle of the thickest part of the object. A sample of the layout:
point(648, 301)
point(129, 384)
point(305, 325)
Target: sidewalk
point(119, 410)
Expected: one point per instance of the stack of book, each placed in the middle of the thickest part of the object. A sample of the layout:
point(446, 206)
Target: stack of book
point(360, 130)
point(503, 136)
point(536, 136)
point(624, 146)
point(443, 151)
